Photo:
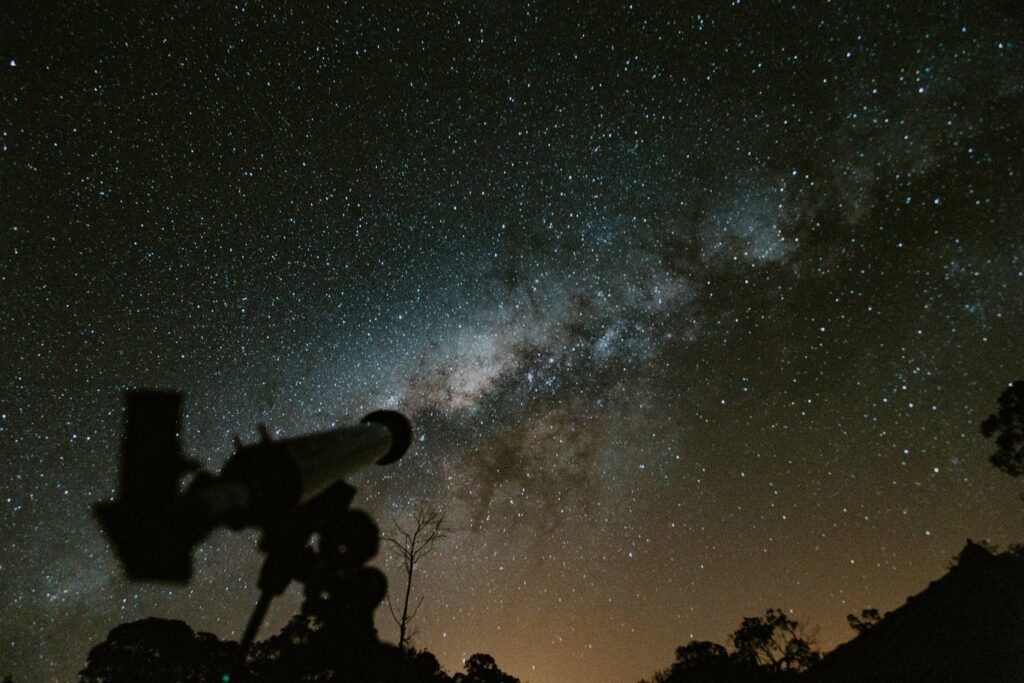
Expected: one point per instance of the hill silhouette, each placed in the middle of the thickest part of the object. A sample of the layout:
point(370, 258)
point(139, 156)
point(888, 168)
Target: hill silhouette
point(966, 626)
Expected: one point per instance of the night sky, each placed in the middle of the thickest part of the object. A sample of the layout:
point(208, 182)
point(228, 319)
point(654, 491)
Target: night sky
point(696, 311)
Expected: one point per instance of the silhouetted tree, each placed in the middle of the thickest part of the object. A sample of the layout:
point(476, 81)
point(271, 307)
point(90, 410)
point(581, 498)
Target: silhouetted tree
point(411, 546)
point(702, 660)
point(1008, 424)
point(425, 667)
point(481, 668)
point(774, 642)
point(766, 648)
point(158, 651)
point(307, 650)
point(699, 652)
point(866, 619)
point(288, 653)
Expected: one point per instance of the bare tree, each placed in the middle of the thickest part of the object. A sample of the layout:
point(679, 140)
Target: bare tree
point(411, 545)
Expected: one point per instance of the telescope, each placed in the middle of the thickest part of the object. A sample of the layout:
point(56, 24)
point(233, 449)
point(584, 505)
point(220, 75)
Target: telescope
point(291, 489)
point(154, 527)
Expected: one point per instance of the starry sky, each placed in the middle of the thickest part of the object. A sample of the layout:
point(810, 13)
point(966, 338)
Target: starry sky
point(696, 306)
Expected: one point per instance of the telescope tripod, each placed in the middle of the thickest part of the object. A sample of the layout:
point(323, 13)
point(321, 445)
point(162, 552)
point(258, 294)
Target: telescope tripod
point(339, 589)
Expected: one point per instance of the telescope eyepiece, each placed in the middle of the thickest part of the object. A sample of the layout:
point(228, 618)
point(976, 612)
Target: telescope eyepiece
point(398, 427)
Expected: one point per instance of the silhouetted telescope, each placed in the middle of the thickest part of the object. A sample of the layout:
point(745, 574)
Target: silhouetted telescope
point(154, 525)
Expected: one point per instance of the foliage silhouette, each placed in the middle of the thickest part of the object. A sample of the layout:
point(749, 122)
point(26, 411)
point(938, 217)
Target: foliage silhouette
point(163, 651)
point(306, 649)
point(774, 642)
point(481, 668)
point(864, 621)
point(1008, 423)
point(699, 652)
point(702, 660)
point(156, 651)
point(768, 648)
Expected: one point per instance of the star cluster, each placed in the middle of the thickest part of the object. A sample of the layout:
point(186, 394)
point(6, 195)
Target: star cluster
point(696, 311)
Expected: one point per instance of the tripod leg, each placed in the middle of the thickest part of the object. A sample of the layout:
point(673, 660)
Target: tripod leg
point(258, 614)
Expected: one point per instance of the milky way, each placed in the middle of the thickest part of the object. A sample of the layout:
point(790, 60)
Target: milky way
point(696, 312)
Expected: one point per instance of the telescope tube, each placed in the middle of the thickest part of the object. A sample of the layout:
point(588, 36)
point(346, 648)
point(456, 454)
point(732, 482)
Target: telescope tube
point(278, 475)
point(323, 459)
